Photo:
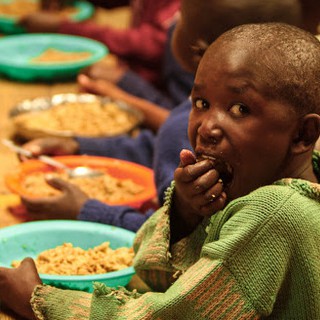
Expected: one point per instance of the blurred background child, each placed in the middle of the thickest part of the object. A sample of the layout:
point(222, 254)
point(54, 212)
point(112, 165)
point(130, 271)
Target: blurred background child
point(140, 47)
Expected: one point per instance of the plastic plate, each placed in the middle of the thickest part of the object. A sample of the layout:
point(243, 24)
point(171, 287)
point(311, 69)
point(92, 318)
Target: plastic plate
point(8, 23)
point(30, 238)
point(17, 51)
point(119, 169)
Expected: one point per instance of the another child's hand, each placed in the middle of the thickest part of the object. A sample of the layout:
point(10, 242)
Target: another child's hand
point(42, 21)
point(64, 206)
point(198, 190)
point(102, 87)
point(16, 287)
point(51, 146)
point(111, 71)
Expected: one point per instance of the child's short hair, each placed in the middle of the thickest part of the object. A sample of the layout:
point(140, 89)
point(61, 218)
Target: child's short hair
point(289, 60)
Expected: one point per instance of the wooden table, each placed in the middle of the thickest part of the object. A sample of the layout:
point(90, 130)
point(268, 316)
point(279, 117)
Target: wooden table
point(11, 93)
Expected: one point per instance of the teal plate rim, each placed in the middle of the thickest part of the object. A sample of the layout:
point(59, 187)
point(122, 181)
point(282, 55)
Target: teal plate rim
point(97, 49)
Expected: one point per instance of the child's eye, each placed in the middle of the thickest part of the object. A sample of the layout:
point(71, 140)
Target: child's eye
point(201, 104)
point(239, 110)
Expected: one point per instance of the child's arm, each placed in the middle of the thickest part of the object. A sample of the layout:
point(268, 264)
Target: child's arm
point(121, 216)
point(52, 146)
point(66, 205)
point(198, 194)
point(127, 80)
point(17, 286)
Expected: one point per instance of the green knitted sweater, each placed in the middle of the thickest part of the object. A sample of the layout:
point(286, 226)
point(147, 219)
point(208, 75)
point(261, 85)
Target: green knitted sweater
point(257, 258)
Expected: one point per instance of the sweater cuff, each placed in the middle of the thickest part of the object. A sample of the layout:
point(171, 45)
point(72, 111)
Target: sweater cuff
point(52, 303)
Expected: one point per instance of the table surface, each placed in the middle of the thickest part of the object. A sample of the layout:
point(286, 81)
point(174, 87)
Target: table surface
point(11, 93)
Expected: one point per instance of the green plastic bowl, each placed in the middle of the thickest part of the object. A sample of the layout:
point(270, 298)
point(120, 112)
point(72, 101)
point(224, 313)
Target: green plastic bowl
point(30, 238)
point(16, 51)
point(8, 24)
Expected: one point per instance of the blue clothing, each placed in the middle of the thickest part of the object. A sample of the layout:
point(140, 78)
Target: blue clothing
point(159, 152)
point(139, 149)
point(171, 138)
point(177, 82)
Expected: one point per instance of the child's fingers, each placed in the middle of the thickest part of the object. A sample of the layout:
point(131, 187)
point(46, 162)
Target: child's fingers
point(214, 191)
point(207, 181)
point(40, 205)
point(208, 196)
point(211, 207)
point(193, 171)
point(186, 158)
point(58, 183)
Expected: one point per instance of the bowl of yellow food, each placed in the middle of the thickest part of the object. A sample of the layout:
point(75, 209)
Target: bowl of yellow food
point(121, 182)
point(70, 115)
point(71, 254)
point(13, 10)
point(47, 57)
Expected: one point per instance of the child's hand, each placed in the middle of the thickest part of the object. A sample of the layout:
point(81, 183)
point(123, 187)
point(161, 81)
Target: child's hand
point(51, 146)
point(101, 87)
point(111, 71)
point(42, 21)
point(198, 191)
point(16, 287)
point(64, 206)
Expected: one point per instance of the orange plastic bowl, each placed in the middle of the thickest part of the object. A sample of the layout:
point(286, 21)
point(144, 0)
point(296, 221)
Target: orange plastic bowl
point(119, 169)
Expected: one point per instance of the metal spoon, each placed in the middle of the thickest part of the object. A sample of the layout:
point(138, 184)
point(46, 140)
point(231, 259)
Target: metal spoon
point(76, 172)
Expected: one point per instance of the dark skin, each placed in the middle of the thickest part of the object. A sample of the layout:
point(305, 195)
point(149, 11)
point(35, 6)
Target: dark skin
point(22, 280)
point(66, 205)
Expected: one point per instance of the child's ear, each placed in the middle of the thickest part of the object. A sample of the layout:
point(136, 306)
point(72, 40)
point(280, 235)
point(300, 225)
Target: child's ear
point(307, 133)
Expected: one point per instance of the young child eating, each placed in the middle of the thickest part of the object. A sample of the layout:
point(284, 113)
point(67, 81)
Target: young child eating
point(238, 236)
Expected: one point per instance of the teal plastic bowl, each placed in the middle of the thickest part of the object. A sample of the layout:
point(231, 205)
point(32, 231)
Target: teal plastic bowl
point(8, 24)
point(16, 52)
point(30, 238)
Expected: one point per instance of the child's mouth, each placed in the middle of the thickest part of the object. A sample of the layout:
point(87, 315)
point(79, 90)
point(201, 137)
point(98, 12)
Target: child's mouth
point(224, 169)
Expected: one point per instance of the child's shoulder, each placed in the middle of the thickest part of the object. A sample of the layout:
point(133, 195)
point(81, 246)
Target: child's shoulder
point(288, 209)
point(286, 199)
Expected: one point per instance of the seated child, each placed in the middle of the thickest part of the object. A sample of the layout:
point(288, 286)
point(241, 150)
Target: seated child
point(161, 151)
point(141, 45)
point(238, 236)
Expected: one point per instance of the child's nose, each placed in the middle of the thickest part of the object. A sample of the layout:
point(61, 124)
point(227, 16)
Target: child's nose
point(210, 132)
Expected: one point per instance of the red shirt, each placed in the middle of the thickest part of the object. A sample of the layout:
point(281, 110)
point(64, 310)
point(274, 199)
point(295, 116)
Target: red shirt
point(141, 45)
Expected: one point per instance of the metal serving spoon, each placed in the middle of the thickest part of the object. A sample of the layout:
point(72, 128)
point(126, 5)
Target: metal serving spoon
point(76, 172)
